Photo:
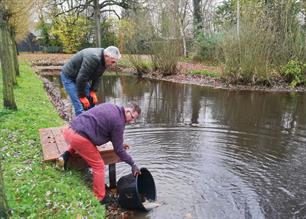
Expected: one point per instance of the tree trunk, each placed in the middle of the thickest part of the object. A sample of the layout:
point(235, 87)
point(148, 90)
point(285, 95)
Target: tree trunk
point(197, 17)
point(184, 46)
point(14, 49)
point(11, 44)
point(7, 65)
point(238, 19)
point(16, 59)
point(238, 28)
point(181, 11)
point(97, 21)
point(183, 39)
point(4, 211)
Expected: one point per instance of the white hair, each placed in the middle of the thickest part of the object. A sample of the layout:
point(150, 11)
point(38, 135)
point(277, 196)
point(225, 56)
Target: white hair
point(113, 52)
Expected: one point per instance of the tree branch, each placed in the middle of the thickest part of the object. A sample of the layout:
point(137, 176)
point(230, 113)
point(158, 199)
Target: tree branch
point(111, 10)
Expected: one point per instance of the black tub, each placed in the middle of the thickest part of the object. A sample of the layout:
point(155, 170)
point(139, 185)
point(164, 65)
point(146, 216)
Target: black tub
point(134, 191)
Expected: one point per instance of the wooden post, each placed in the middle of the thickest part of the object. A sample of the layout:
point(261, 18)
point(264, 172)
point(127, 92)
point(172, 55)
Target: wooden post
point(112, 175)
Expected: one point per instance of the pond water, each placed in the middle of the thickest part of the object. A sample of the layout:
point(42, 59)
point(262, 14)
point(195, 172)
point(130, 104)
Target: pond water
point(216, 153)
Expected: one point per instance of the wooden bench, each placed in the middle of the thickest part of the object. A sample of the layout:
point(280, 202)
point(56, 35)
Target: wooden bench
point(53, 145)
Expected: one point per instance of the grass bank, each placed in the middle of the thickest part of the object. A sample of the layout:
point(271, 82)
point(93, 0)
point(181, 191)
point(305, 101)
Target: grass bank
point(35, 189)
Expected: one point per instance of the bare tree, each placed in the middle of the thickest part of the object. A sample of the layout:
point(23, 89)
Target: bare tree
point(19, 26)
point(197, 16)
point(97, 21)
point(93, 8)
point(182, 9)
point(208, 13)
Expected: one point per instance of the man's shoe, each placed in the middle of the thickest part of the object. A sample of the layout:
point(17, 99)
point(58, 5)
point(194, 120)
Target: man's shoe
point(106, 200)
point(63, 159)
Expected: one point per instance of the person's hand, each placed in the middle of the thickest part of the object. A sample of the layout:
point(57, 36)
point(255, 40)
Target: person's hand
point(94, 97)
point(126, 146)
point(135, 170)
point(85, 102)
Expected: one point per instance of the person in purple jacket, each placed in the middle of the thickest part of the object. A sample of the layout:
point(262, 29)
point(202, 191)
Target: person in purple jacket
point(99, 125)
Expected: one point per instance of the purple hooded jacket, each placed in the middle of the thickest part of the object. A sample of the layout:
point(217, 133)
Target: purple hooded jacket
point(101, 124)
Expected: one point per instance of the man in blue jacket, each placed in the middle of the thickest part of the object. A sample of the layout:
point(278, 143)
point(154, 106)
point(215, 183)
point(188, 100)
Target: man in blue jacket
point(81, 75)
point(99, 125)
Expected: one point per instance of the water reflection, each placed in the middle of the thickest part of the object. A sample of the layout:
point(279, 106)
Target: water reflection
point(156, 99)
point(216, 153)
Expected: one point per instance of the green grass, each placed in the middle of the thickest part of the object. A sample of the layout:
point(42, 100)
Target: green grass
point(205, 72)
point(35, 189)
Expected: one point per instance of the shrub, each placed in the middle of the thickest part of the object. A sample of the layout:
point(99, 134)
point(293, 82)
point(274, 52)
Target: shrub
point(108, 36)
point(52, 49)
point(265, 41)
point(72, 32)
point(247, 56)
point(140, 63)
point(165, 56)
point(295, 72)
point(205, 72)
point(206, 47)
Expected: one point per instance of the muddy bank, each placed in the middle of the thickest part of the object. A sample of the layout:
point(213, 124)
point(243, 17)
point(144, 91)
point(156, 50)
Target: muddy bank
point(63, 106)
point(50, 64)
point(279, 85)
point(183, 76)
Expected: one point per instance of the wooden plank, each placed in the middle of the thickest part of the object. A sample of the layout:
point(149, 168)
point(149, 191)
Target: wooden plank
point(59, 139)
point(48, 142)
point(54, 144)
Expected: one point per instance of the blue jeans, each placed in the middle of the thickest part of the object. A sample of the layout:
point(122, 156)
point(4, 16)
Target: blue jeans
point(70, 87)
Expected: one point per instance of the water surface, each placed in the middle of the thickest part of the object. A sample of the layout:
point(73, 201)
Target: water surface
point(216, 153)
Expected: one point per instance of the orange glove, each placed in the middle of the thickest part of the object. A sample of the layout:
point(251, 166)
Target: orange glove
point(85, 102)
point(94, 97)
